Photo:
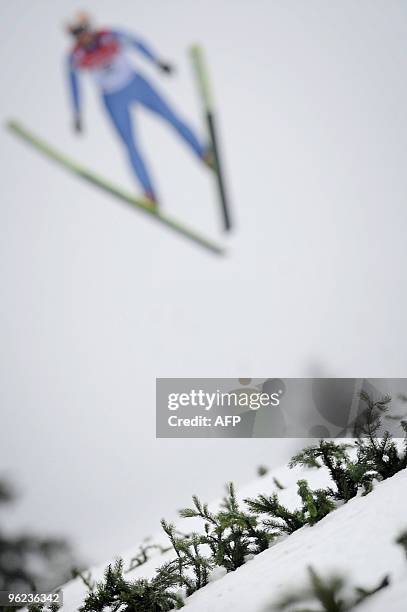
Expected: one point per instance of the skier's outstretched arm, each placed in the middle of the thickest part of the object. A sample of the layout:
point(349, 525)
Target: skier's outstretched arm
point(137, 43)
point(75, 94)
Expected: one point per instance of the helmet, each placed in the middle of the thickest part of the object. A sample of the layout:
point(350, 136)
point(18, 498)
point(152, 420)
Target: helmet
point(81, 23)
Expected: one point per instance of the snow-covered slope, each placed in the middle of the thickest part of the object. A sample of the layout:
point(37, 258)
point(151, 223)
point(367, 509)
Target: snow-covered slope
point(356, 540)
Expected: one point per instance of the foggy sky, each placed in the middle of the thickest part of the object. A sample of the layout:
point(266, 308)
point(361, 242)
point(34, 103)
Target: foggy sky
point(96, 300)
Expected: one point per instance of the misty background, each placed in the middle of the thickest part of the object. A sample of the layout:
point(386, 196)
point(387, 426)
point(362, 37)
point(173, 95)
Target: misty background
point(96, 301)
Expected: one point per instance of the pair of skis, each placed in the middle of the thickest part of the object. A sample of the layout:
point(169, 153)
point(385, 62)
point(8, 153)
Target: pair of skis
point(69, 164)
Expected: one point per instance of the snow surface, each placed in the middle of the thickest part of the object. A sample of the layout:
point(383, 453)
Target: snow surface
point(356, 540)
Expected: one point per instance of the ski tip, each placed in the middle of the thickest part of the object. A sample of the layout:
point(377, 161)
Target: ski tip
point(196, 50)
point(11, 124)
point(196, 57)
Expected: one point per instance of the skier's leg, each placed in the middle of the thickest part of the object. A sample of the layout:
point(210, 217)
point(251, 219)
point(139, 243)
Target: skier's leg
point(117, 106)
point(150, 98)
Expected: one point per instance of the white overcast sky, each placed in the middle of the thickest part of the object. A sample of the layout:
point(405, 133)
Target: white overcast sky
point(96, 300)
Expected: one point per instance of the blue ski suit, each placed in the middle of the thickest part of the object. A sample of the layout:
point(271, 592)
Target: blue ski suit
point(121, 86)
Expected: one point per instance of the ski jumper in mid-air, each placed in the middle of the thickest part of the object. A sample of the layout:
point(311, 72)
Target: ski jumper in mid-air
point(104, 54)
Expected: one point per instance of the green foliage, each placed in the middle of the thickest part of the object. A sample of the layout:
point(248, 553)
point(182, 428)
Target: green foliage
point(52, 607)
point(402, 540)
point(28, 562)
point(231, 534)
point(142, 595)
point(85, 577)
point(328, 593)
point(189, 557)
point(380, 455)
point(348, 476)
point(370, 420)
point(144, 554)
point(315, 505)
point(282, 520)
point(6, 492)
point(278, 484)
point(262, 470)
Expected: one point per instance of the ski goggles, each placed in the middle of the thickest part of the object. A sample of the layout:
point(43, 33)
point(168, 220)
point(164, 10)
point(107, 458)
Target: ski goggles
point(79, 29)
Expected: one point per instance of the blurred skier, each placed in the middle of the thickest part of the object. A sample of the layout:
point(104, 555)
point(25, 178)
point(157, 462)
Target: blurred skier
point(103, 53)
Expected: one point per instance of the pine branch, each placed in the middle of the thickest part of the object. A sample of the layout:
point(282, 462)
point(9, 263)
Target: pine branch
point(288, 521)
point(231, 534)
point(348, 476)
point(189, 557)
point(315, 504)
point(86, 578)
point(200, 510)
point(278, 484)
point(402, 540)
point(116, 593)
point(144, 555)
point(262, 470)
point(330, 593)
point(380, 455)
point(38, 563)
point(40, 607)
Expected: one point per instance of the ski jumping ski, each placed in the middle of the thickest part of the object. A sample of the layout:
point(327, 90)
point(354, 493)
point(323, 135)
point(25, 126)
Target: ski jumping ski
point(201, 74)
point(93, 178)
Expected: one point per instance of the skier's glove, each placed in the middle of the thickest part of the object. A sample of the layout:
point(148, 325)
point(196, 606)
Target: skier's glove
point(166, 67)
point(77, 125)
